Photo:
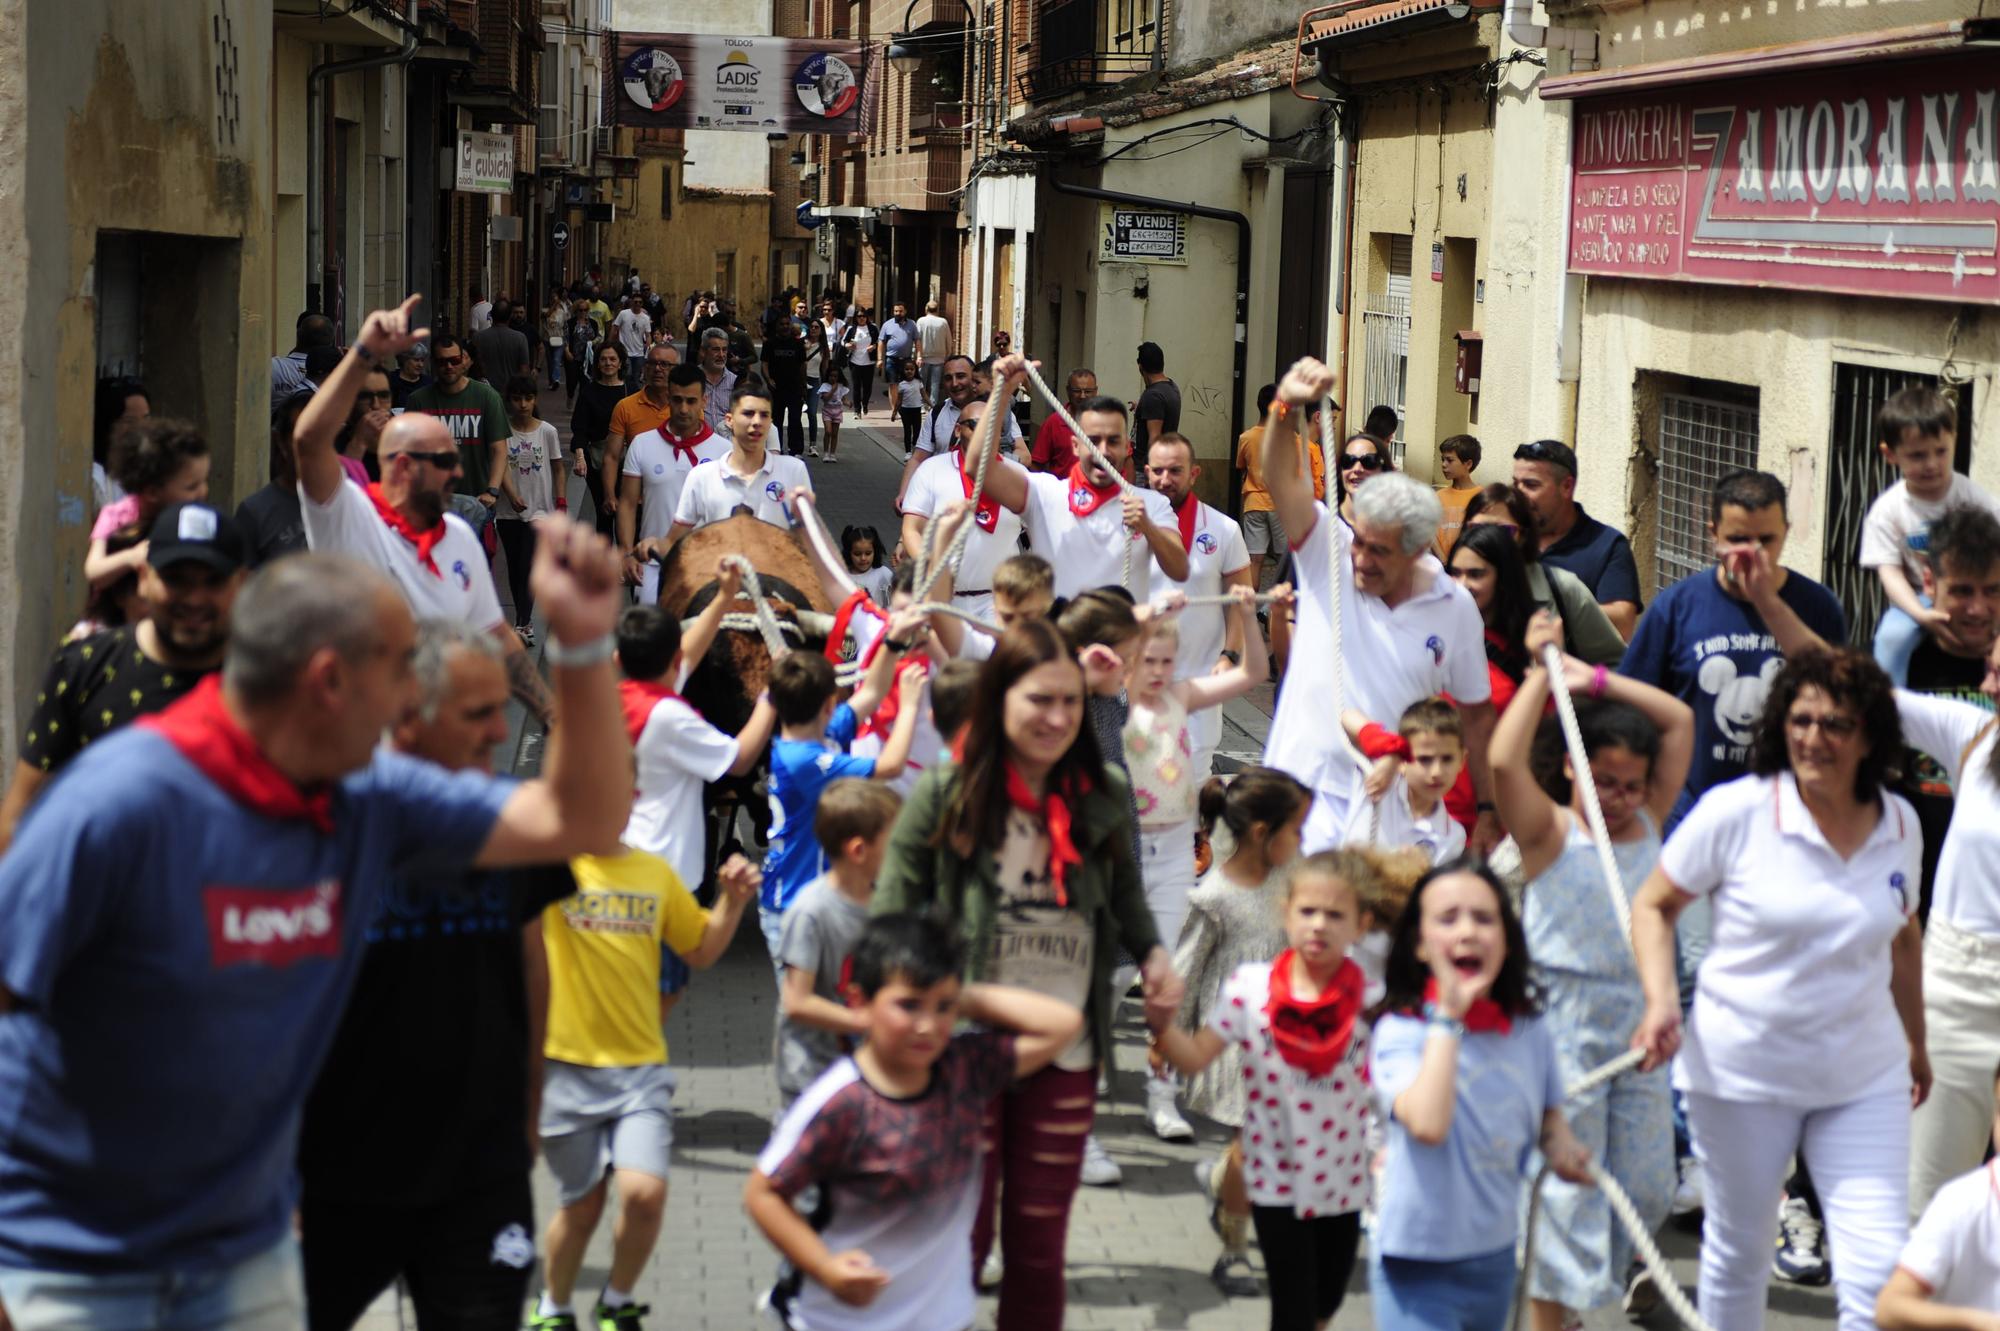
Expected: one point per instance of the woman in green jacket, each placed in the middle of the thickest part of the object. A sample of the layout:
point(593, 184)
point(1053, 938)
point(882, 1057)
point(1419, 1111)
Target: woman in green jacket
point(1026, 844)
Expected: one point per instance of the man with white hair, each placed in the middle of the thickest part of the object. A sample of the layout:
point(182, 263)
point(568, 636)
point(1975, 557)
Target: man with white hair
point(719, 378)
point(1408, 631)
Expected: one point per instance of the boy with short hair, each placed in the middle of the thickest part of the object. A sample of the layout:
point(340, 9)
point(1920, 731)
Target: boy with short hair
point(1458, 459)
point(885, 1135)
point(1917, 433)
point(607, 1093)
point(951, 698)
point(1024, 587)
point(811, 752)
point(1948, 1278)
point(815, 1025)
point(1411, 772)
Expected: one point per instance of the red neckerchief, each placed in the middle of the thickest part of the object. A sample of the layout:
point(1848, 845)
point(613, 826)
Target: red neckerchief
point(1484, 1017)
point(988, 515)
point(883, 719)
point(857, 600)
point(221, 750)
point(1312, 1034)
point(685, 448)
point(1054, 811)
point(1189, 510)
point(1085, 497)
point(638, 698)
point(392, 517)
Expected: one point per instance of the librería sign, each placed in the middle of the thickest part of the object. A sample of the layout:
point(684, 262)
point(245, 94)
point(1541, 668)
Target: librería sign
point(485, 162)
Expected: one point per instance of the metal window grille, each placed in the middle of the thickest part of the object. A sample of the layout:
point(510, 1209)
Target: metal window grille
point(1385, 341)
point(1856, 475)
point(1701, 440)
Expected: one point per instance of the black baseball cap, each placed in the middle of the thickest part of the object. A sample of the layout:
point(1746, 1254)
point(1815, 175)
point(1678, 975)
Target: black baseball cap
point(1552, 451)
point(195, 533)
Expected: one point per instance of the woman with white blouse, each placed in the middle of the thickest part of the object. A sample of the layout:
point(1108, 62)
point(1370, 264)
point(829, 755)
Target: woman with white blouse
point(1807, 1030)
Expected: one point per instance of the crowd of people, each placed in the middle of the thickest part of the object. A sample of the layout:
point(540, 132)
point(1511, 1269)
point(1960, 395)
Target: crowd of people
point(297, 989)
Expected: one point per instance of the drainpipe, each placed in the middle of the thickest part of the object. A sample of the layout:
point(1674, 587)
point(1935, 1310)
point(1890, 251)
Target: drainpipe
point(1581, 43)
point(316, 187)
point(1242, 225)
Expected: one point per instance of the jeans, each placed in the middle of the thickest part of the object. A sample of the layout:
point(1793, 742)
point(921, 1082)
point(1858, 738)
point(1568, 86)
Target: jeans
point(791, 413)
point(1034, 1161)
point(1860, 1153)
point(772, 922)
point(933, 374)
point(517, 538)
point(265, 1292)
point(1470, 1294)
point(1896, 638)
point(1949, 1131)
point(1307, 1263)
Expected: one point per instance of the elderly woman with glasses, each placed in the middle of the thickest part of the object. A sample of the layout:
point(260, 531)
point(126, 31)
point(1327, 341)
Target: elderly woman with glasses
point(1807, 1031)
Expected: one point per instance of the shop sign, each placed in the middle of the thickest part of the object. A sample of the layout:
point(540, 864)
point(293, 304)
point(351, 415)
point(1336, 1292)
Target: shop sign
point(1131, 235)
point(1884, 186)
point(773, 85)
point(485, 162)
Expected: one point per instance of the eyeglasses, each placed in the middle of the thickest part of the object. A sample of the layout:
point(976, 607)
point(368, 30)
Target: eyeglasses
point(1832, 727)
point(443, 460)
point(655, 363)
point(1556, 455)
point(451, 360)
point(1365, 461)
point(373, 395)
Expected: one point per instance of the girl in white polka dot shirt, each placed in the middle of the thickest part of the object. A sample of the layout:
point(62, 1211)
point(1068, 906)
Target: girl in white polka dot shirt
point(1297, 1025)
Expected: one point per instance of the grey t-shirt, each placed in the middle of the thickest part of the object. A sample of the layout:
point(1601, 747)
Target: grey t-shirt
point(822, 928)
point(1160, 402)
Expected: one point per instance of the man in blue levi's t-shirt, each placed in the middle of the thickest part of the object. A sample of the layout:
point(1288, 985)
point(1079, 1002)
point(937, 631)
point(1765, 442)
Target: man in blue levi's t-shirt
point(185, 913)
point(810, 754)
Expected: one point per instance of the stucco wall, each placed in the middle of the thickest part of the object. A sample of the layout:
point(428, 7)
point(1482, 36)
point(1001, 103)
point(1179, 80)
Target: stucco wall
point(678, 255)
point(1678, 29)
point(112, 113)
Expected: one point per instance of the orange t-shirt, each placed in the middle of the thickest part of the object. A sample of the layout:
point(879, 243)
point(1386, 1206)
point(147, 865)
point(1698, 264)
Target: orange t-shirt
point(1249, 451)
point(1454, 502)
point(635, 415)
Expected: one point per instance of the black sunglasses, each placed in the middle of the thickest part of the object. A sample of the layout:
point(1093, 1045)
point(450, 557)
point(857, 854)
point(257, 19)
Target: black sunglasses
point(1542, 452)
point(443, 460)
point(1365, 461)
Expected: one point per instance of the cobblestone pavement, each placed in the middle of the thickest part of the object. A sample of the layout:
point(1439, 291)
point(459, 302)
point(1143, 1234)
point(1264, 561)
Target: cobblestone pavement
point(1138, 1254)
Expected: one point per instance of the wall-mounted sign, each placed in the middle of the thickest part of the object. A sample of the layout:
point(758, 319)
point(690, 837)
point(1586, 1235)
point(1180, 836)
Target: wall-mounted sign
point(1888, 186)
point(485, 162)
point(1133, 235)
point(774, 85)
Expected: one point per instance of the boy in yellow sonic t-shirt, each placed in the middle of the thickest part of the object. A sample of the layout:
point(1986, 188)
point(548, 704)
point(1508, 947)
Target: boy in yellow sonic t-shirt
point(607, 1094)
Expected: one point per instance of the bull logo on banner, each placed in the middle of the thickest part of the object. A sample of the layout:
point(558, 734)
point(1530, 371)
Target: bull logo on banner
point(653, 79)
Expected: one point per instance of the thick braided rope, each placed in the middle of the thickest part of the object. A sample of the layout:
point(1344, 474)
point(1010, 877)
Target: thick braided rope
point(927, 571)
point(768, 625)
point(1088, 448)
point(822, 544)
point(1643, 1247)
point(1586, 785)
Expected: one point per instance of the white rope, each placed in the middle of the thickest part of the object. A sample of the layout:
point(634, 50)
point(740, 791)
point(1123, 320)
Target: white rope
point(928, 572)
point(1586, 785)
point(821, 538)
point(769, 627)
point(1091, 454)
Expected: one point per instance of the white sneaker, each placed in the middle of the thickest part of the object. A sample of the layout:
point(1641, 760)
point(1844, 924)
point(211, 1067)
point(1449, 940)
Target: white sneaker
point(1162, 1115)
point(1099, 1169)
point(991, 1271)
point(1688, 1192)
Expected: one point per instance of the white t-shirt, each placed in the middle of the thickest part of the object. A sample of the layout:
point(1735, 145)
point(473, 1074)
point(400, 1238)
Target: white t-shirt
point(1898, 526)
point(1432, 643)
point(1955, 1248)
point(482, 315)
point(1439, 836)
point(461, 589)
point(663, 471)
point(1792, 1004)
point(909, 394)
point(531, 458)
point(1089, 551)
point(678, 752)
point(713, 491)
point(875, 582)
point(861, 347)
point(937, 484)
point(933, 338)
point(1966, 894)
point(1217, 549)
point(634, 328)
point(934, 433)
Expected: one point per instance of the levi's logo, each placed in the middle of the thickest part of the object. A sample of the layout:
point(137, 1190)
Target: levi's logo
point(250, 926)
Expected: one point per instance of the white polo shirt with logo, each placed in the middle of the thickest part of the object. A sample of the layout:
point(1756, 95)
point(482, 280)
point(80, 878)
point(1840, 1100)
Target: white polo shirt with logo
point(713, 491)
point(663, 471)
point(1089, 551)
point(1432, 643)
point(1216, 550)
point(461, 589)
point(937, 484)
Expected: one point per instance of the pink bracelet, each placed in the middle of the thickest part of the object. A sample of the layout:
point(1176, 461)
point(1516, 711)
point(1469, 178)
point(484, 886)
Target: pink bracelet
point(1597, 681)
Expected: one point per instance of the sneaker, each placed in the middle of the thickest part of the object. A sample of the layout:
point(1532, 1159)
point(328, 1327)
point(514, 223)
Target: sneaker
point(1642, 1294)
point(541, 1321)
point(777, 1302)
point(1801, 1257)
point(625, 1318)
point(1162, 1115)
point(1234, 1276)
point(526, 633)
point(1099, 1169)
point(831, 459)
point(1688, 1192)
point(812, 451)
point(990, 1272)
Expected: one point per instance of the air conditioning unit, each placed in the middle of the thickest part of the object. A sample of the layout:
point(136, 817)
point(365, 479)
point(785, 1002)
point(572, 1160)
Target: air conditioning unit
point(606, 138)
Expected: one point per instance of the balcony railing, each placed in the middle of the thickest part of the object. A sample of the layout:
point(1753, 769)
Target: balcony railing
point(1077, 73)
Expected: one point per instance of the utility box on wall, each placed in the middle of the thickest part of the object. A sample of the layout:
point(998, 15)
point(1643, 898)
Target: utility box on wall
point(1466, 379)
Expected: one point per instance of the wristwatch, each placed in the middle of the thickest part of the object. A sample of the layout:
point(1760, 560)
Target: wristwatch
point(1451, 1026)
point(1485, 806)
point(1231, 655)
point(493, 490)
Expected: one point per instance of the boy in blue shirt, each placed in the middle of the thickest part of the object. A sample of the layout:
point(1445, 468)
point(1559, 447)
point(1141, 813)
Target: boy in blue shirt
point(810, 754)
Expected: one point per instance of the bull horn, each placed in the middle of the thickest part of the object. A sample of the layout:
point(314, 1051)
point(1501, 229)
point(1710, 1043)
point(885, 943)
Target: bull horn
point(815, 622)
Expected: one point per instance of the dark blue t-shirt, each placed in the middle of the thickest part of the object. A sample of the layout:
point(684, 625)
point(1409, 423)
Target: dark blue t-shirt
point(1600, 557)
point(183, 963)
point(800, 770)
point(1715, 654)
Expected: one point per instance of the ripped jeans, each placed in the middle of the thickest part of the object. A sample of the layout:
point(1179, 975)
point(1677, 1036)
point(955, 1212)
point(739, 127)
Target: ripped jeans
point(1034, 1160)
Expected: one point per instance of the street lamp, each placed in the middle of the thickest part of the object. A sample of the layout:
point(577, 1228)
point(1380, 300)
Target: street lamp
point(907, 49)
